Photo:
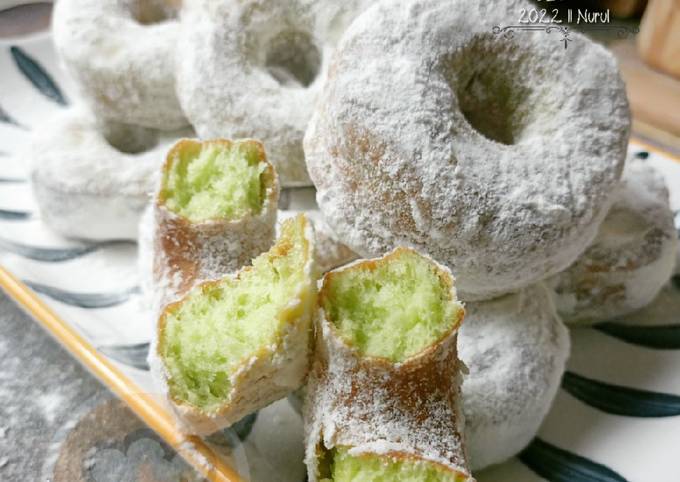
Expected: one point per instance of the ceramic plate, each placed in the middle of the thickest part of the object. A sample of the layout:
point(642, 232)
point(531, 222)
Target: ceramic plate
point(616, 418)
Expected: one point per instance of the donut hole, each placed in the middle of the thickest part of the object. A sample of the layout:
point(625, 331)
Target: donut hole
point(149, 12)
point(492, 95)
point(293, 59)
point(129, 139)
point(623, 227)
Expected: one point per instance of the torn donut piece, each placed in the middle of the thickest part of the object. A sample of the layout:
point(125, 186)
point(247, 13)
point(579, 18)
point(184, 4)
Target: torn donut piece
point(383, 396)
point(235, 345)
point(215, 210)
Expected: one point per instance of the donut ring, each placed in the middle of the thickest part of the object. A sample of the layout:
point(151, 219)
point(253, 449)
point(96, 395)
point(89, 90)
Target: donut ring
point(256, 72)
point(632, 257)
point(515, 348)
point(122, 62)
point(83, 185)
point(456, 160)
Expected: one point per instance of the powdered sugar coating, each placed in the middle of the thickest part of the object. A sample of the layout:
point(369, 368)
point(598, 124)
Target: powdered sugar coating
point(85, 187)
point(631, 258)
point(515, 348)
point(481, 150)
point(124, 69)
point(253, 68)
point(372, 406)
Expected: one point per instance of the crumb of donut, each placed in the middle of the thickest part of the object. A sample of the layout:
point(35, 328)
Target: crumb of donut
point(215, 180)
point(391, 308)
point(219, 326)
point(349, 468)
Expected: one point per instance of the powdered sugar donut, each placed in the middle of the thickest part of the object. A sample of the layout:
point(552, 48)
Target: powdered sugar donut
point(330, 253)
point(515, 348)
point(121, 55)
point(252, 68)
point(83, 185)
point(478, 149)
point(632, 257)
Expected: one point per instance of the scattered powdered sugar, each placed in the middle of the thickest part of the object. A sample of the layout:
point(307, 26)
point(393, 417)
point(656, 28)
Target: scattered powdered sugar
point(89, 460)
point(197, 457)
point(42, 392)
point(144, 459)
point(49, 403)
point(411, 145)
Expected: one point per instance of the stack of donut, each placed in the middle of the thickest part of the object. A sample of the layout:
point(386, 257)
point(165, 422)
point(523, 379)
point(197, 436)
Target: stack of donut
point(502, 157)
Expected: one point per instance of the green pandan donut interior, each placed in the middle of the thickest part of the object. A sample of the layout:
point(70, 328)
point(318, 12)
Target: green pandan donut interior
point(392, 308)
point(221, 180)
point(219, 326)
point(348, 468)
